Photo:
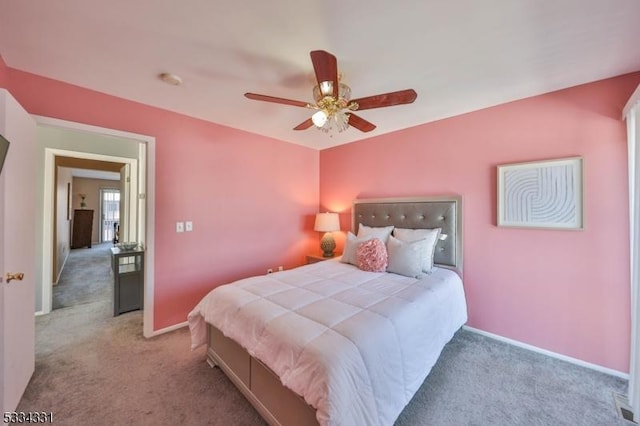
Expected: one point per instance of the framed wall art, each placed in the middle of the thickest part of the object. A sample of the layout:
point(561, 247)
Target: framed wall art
point(541, 194)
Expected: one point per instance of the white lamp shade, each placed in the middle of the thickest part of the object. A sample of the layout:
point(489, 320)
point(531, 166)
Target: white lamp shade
point(327, 222)
point(319, 118)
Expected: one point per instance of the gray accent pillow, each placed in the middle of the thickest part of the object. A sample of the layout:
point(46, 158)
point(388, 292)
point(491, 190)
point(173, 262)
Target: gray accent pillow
point(350, 246)
point(405, 258)
point(431, 235)
point(382, 232)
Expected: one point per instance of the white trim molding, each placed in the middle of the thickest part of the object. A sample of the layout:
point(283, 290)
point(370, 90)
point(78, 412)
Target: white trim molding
point(632, 102)
point(551, 354)
point(632, 117)
point(47, 238)
point(171, 328)
point(146, 169)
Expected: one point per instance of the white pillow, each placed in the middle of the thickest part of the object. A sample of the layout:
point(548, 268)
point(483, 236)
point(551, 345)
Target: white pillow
point(382, 233)
point(406, 258)
point(350, 246)
point(431, 235)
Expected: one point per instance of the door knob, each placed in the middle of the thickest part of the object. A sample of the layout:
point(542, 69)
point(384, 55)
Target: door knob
point(17, 276)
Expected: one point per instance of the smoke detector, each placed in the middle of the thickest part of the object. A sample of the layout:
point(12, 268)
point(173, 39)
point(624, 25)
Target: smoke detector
point(170, 78)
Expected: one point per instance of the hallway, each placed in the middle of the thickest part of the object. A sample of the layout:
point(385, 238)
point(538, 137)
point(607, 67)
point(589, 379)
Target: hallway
point(94, 368)
point(86, 277)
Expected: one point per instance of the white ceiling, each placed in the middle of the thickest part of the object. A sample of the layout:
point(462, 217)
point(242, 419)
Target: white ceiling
point(459, 55)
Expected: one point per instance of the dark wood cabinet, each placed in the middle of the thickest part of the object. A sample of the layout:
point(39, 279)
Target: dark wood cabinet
point(128, 279)
point(82, 228)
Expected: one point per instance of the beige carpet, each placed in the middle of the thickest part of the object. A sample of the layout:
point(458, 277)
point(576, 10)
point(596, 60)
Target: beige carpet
point(96, 369)
point(92, 368)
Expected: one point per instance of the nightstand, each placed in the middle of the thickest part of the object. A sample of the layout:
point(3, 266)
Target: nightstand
point(313, 258)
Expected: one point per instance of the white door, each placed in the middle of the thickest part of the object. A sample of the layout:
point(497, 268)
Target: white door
point(17, 251)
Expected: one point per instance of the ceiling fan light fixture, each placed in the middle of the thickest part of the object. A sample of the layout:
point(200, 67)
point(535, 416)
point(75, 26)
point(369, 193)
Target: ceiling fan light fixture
point(320, 118)
point(326, 121)
point(333, 106)
point(325, 89)
point(342, 121)
point(332, 111)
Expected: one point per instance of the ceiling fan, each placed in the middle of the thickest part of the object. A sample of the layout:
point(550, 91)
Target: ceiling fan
point(333, 102)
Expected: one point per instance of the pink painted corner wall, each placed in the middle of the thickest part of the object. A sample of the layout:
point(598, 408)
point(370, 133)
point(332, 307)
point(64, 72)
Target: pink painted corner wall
point(251, 198)
point(564, 291)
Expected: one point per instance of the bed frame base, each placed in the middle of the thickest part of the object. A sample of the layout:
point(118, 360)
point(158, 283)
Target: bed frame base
point(277, 404)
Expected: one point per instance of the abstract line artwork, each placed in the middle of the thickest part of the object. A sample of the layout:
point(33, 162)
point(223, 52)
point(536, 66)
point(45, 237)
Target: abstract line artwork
point(541, 194)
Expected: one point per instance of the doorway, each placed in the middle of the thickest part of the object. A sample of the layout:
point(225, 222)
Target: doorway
point(142, 200)
point(109, 215)
point(81, 260)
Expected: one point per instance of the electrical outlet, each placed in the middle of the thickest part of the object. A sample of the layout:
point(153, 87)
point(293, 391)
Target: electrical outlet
point(188, 226)
point(280, 268)
point(179, 226)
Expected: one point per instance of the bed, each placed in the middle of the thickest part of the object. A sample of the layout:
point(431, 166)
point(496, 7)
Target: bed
point(330, 344)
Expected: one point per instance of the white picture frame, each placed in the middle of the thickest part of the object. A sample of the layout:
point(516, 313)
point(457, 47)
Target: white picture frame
point(544, 194)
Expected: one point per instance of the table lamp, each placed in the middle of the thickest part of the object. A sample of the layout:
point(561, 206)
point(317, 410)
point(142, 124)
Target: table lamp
point(327, 223)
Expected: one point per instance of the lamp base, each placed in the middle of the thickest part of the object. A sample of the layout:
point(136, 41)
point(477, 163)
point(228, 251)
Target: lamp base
point(328, 245)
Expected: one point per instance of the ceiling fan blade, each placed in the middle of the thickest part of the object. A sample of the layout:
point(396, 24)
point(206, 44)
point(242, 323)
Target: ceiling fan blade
point(360, 123)
point(325, 66)
point(304, 125)
point(276, 100)
point(386, 99)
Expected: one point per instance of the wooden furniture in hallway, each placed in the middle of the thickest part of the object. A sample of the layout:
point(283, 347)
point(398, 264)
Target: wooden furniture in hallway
point(82, 228)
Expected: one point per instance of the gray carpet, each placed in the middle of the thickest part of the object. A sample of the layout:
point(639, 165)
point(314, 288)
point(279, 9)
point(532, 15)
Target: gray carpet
point(92, 368)
point(85, 277)
point(480, 381)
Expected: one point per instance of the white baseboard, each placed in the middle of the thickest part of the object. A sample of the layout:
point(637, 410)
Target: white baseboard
point(39, 313)
point(569, 359)
point(170, 328)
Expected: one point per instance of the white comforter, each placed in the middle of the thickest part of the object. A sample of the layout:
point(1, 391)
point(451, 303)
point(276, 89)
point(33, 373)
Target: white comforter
point(356, 345)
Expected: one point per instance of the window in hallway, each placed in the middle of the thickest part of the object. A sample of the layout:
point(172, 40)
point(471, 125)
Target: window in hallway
point(110, 213)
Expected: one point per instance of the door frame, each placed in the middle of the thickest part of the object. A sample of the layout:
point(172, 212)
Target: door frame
point(50, 155)
point(145, 206)
point(631, 114)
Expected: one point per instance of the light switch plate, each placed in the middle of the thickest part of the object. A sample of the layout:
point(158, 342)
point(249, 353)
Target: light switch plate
point(179, 226)
point(188, 226)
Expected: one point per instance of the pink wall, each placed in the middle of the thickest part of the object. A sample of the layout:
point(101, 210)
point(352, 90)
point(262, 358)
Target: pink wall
point(564, 291)
point(251, 198)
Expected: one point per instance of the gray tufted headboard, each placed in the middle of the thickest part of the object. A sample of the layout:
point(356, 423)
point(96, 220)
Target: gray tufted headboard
point(418, 213)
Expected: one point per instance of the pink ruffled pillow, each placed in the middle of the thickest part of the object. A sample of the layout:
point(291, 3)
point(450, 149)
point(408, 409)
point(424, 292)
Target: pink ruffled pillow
point(372, 256)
